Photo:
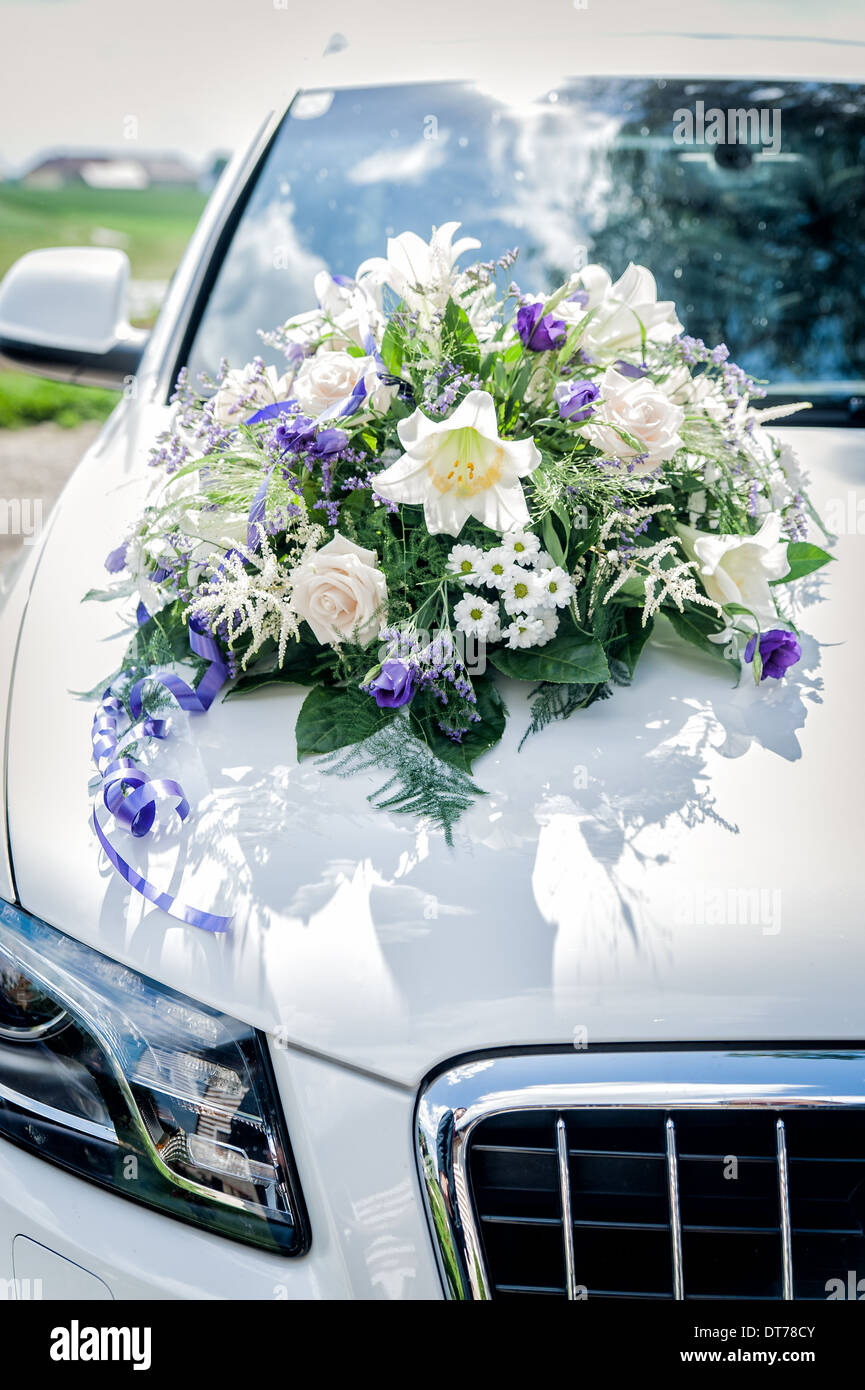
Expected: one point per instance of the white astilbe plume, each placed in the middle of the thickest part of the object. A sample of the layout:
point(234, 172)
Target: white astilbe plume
point(252, 592)
point(674, 582)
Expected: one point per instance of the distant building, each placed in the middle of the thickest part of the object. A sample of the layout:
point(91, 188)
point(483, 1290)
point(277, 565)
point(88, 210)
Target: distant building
point(112, 171)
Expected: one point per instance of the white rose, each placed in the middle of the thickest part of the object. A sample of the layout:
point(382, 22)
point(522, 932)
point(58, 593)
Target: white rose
point(624, 310)
point(738, 569)
point(341, 592)
point(635, 405)
point(324, 383)
point(246, 390)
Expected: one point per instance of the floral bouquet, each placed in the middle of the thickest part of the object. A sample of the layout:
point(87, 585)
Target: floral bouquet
point(451, 481)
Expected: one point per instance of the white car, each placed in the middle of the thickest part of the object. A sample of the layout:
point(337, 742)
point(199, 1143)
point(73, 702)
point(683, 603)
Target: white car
point(611, 1044)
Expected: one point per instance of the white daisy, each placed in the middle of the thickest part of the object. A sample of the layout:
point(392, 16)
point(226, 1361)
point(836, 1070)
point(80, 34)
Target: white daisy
point(544, 560)
point(556, 587)
point(496, 567)
point(522, 593)
point(464, 561)
point(521, 546)
point(525, 632)
point(476, 617)
point(550, 620)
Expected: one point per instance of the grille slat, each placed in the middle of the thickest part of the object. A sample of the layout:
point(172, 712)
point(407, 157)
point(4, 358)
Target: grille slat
point(631, 1203)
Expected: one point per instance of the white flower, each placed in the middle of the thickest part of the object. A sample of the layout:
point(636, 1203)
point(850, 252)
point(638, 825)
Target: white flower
point(526, 632)
point(550, 620)
point(246, 390)
point(459, 468)
point(640, 409)
point(544, 561)
point(522, 593)
point(341, 592)
point(738, 569)
point(521, 546)
point(420, 272)
point(464, 561)
point(496, 567)
point(556, 587)
point(350, 310)
point(476, 617)
point(325, 382)
point(624, 310)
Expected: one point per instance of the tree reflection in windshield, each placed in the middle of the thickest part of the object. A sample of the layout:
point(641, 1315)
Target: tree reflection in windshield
point(763, 251)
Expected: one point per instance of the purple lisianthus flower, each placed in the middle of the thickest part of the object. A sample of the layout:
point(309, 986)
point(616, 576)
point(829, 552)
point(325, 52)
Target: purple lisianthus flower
point(273, 411)
point(539, 332)
point(116, 560)
point(778, 650)
point(298, 435)
point(574, 399)
point(631, 369)
point(394, 685)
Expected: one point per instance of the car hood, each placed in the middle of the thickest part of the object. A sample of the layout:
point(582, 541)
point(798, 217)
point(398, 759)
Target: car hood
point(677, 863)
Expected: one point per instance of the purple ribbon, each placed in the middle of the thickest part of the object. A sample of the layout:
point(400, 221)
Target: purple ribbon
point(130, 795)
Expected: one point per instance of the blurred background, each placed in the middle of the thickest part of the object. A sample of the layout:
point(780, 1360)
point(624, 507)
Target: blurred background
point(116, 121)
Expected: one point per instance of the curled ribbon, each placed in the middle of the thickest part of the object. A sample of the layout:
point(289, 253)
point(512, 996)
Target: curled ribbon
point(130, 795)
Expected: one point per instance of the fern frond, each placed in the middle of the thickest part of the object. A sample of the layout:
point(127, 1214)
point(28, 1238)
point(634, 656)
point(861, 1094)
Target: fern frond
point(420, 783)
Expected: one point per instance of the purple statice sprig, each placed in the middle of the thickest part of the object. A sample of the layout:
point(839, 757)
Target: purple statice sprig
point(735, 382)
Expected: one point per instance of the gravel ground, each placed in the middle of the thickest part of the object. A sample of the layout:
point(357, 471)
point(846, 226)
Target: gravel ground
point(34, 465)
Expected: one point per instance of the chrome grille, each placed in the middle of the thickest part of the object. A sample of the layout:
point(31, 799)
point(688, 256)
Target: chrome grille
point(654, 1175)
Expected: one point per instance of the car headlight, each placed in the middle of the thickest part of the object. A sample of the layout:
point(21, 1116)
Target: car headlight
point(133, 1086)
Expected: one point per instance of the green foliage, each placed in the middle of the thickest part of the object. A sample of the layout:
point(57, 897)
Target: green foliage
point(333, 716)
point(459, 343)
point(696, 625)
point(568, 659)
point(559, 701)
point(28, 400)
point(420, 783)
point(478, 738)
point(803, 558)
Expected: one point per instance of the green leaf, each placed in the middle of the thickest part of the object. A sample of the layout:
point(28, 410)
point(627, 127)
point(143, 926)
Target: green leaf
point(392, 348)
point(696, 627)
point(335, 716)
point(803, 558)
point(477, 739)
point(551, 539)
point(304, 664)
point(571, 659)
point(629, 647)
point(122, 590)
point(459, 340)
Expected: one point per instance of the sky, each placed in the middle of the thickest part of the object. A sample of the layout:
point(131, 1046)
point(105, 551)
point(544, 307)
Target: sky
point(189, 75)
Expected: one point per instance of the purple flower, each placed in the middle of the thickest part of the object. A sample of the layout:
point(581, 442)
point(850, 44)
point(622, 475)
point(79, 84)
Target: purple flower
point(630, 369)
point(778, 650)
point(574, 399)
point(393, 686)
point(116, 561)
point(539, 332)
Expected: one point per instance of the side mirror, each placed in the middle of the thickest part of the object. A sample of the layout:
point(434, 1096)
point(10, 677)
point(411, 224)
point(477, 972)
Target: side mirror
point(64, 314)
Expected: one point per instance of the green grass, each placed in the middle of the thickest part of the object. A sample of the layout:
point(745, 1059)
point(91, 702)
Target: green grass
point(155, 222)
point(26, 400)
point(151, 225)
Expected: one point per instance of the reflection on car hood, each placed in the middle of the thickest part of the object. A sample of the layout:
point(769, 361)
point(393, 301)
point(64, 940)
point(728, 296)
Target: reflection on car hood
point(678, 862)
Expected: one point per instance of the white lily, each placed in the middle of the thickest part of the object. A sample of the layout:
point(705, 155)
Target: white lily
point(420, 272)
point(459, 467)
point(624, 311)
point(739, 569)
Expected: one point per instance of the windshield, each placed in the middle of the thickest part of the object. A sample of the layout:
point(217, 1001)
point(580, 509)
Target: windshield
point(759, 239)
